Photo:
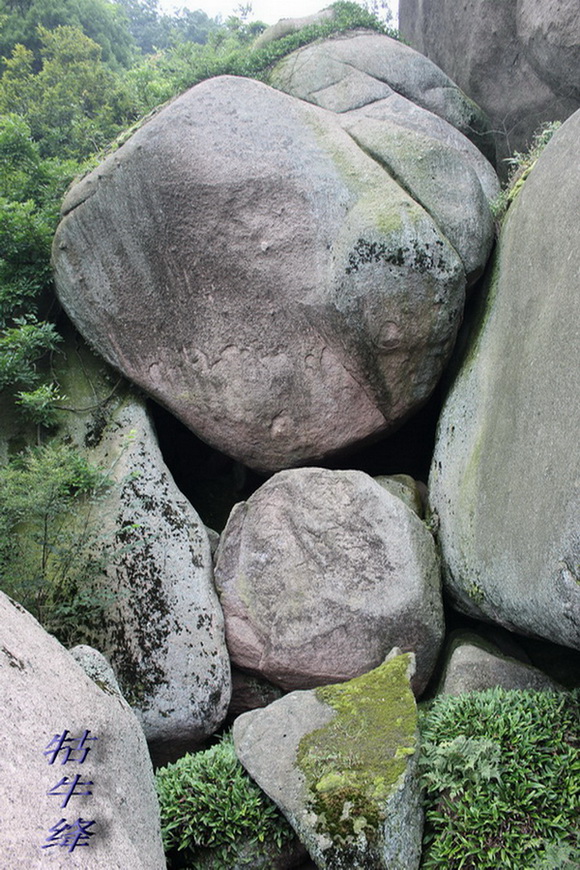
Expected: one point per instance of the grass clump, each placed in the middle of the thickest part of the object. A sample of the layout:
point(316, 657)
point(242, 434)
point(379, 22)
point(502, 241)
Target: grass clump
point(521, 164)
point(501, 770)
point(211, 810)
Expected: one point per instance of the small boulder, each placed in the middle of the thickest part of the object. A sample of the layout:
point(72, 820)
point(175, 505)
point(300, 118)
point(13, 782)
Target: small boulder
point(287, 26)
point(405, 488)
point(473, 666)
point(320, 573)
point(96, 666)
point(341, 763)
point(49, 702)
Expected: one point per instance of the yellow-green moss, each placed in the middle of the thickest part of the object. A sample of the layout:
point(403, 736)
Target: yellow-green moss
point(353, 764)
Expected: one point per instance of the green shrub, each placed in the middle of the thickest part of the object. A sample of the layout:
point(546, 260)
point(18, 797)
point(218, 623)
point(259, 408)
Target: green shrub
point(501, 771)
point(51, 546)
point(210, 807)
point(228, 53)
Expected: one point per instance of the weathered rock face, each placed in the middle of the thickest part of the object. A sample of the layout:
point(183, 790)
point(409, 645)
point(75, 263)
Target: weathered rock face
point(548, 30)
point(320, 573)
point(505, 474)
point(243, 261)
point(43, 693)
point(472, 666)
point(517, 60)
point(406, 114)
point(162, 628)
point(364, 68)
point(341, 764)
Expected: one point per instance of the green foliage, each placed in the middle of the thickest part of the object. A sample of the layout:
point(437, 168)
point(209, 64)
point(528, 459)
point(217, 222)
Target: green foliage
point(73, 104)
point(521, 164)
point(103, 22)
point(49, 538)
point(30, 192)
point(502, 776)
point(21, 346)
point(453, 765)
point(40, 405)
point(229, 51)
point(209, 805)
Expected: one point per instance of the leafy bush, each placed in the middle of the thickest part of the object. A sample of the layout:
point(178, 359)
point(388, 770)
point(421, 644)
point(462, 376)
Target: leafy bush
point(31, 189)
point(501, 771)
point(228, 51)
point(51, 548)
point(210, 807)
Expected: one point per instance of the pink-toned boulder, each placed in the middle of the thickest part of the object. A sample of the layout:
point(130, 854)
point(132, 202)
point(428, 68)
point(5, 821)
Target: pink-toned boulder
point(248, 265)
point(320, 573)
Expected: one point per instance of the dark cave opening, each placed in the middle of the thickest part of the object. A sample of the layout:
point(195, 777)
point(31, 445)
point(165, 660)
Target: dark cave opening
point(214, 482)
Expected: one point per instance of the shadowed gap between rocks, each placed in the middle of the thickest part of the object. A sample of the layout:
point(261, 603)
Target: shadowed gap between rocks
point(213, 482)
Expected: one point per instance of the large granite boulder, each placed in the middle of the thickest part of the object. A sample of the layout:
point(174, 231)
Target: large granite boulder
point(357, 69)
point(108, 817)
point(162, 625)
point(320, 573)
point(517, 60)
point(549, 31)
point(341, 763)
point(506, 471)
point(245, 262)
point(414, 121)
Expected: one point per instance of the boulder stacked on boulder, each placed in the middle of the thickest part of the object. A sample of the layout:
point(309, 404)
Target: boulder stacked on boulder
point(321, 573)
point(286, 289)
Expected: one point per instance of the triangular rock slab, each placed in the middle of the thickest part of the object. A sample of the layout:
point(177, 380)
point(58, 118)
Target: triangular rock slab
point(341, 763)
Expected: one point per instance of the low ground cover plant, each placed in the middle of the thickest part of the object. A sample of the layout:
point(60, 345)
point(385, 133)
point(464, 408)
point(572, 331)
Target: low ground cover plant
point(501, 771)
point(211, 811)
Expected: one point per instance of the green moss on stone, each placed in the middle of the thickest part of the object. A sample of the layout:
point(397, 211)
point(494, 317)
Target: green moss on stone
point(353, 764)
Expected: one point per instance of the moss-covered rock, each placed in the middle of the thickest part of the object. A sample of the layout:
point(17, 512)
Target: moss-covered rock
point(340, 761)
